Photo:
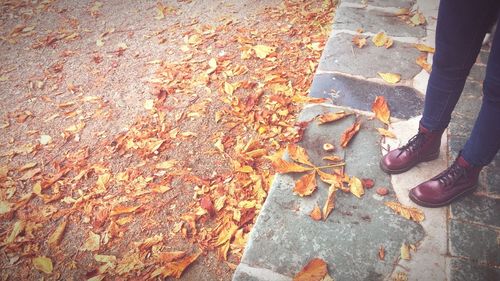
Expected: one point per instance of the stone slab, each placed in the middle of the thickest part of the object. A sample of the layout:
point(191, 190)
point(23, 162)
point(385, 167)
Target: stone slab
point(463, 270)
point(285, 238)
point(383, 3)
point(477, 209)
point(477, 73)
point(403, 101)
point(374, 21)
point(492, 177)
point(475, 242)
point(342, 56)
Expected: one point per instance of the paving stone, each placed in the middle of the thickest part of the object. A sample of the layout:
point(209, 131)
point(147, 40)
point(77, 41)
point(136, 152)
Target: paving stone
point(476, 242)
point(461, 270)
point(342, 56)
point(477, 73)
point(285, 238)
point(383, 3)
point(403, 101)
point(478, 209)
point(483, 57)
point(492, 180)
point(375, 21)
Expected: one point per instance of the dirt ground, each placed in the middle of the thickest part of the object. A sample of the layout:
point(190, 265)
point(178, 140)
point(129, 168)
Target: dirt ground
point(135, 136)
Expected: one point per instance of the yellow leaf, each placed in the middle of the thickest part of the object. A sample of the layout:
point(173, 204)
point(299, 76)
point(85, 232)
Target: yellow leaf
point(262, 51)
point(315, 270)
point(391, 78)
point(359, 41)
point(417, 19)
point(381, 39)
point(316, 213)
point(405, 251)
point(284, 167)
point(5, 207)
point(299, 154)
point(332, 116)
point(75, 128)
point(43, 264)
point(422, 62)
point(228, 88)
point(424, 48)
point(333, 158)
point(356, 187)
point(165, 165)
point(56, 236)
point(407, 212)
point(212, 64)
point(123, 210)
point(176, 268)
point(386, 133)
point(92, 243)
point(16, 230)
point(329, 178)
point(381, 109)
point(306, 185)
point(330, 201)
point(349, 133)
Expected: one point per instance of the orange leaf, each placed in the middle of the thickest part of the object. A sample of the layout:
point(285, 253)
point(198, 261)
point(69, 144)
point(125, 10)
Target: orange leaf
point(407, 212)
point(56, 236)
point(123, 210)
point(330, 201)
point(381, 109)
point(359, 41)
point(284, 167)
point(176, 268)
point(386, 133)
point(424, 48)
point(316, 213)
point(306, 185)
point(349, 133)
point(315, 270)
point(422, 61)
point(332, 116)
point(165, 257)
point(299, 154)
point(381, 253)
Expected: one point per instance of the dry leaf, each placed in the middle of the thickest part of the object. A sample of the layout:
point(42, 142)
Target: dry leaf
point(45, 139)
point(165, 165)
point(315, 270)
point(166, 257)
point(330, 201)
point(386, 133)
point(422, 62)
point(212, 64)
point(381, 39)
point(356, 187)
point(417, 19)
point(333, 158)
point(332, 116)
point(391, 78)
point(123, 210)
point(176, 268)
point(262, 51)
point(299, 154)
point(5, 207)
point(349, 133)
point(149, 104)
point(228, 88)
point(406, 211)
point(424, 48)
point(284, 167)
point(381, 109)
point(56, 236)
point(306, 185)
point(92, 243)
point(43, 264)
point(367, 183)
point(359, 41)
point(381, 253)
point(405, 251)
point(316, 213)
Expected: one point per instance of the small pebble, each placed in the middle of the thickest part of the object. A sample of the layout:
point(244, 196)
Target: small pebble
point(382, 191)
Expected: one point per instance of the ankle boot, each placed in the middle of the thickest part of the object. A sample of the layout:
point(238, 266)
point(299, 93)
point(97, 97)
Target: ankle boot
point(459, 179)
point(422, 147)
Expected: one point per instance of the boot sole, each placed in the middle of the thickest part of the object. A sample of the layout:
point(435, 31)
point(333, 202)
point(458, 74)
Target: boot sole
point(399, 171)
point(446, 203)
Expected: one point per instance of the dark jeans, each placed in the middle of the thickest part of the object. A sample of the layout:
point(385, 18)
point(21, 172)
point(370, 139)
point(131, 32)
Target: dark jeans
point(461, 27)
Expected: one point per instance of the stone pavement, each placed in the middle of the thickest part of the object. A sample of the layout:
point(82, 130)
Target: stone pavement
point(461, 242)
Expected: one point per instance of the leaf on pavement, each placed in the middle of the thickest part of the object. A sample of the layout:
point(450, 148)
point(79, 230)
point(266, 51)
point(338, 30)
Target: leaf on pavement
point(349, 133)
point(405, 251)
point(359, 41)
point(316, 213)
point(43, 264)
point(381, 109)
point(422, 62)
point(166, 257)
point(284, 167)
point(306, 185)
point(386, 133)
point(92, 243)
point(56, 236)
point(176, 268)
point(315, 270)
point(424, 48)
point(407, 212)
point(356, 187)
point(417, 19)
point(330, 201)
point(381, 39)
point(299, 154)
point(332, 116)
point(381, 253)
point(391, 78)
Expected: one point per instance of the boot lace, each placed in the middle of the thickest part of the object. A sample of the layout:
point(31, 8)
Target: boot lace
point(413, 144)
point(451, 175)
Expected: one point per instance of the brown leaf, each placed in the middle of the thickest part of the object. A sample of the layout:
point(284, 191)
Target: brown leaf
point(356, 187)
point(43, 264)
point(424, 48)
point(284, 167)
point(123, 210)
point(332, 116)
point(381, 253)
point(166, 257)
point(333, 158)
point(175, 269)
point(391, 78)
point(407, 212)
point(359, 41)
point(349, 133)
point(56, 236)
point(330, 201)
point(92, 243)
point(306, 185)
point(315, 270)
point(299, 154)
point(381, 109)
point(206, 203)
point(422, 62)
point(316, 213)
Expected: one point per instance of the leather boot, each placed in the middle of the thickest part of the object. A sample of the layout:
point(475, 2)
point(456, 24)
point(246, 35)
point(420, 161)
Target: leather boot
point(422, 147)
point(459, 179)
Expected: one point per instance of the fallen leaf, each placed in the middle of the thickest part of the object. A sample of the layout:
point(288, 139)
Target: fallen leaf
point(5, 207)
point(316, 213)
point(367, 183)
point(45, 139)
point(228, 88)
point(315, 270)
point(262, 51)
point(306, 185)
point(356, 187)
point(405, 251)
point(92, 243)
point(359, 41)
point(206, 203)
point(422, 62)
point(123, 210)
point(391, 78)
point(212, 64)
point(332, 116)
point(165, 165)
point(149, 104)
point(299, 154)
point(349, 133)
point(43, 264)
point(424, 48)
point(381, 39)
point(175, 269)
point(330, 201)
point(417, 19)
point(284, 167)
point(406, 211)
point(56, 236)
point(381, 109)
point(166, 257)
point(333, 158)
point(27, 166)
point(16, 230)
point(386, 133)
point(381, 253)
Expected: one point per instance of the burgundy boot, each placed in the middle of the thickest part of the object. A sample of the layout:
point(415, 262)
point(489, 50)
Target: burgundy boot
point(459, 179)
point(422, 147)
